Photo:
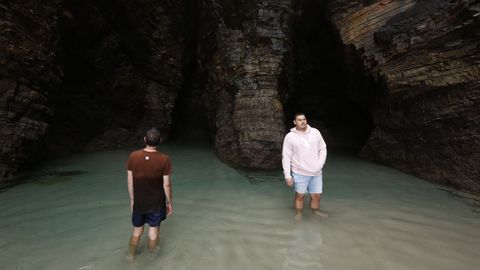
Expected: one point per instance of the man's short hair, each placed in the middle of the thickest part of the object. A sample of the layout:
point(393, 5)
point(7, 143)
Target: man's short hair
point(152, 138)
point(298, 114)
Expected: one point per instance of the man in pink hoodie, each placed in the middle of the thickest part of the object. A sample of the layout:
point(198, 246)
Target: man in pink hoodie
point(303, 156)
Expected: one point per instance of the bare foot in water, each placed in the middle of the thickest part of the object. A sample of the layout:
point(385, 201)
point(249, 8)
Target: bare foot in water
point(320, 214)
point(130, 257)
point(298, 217)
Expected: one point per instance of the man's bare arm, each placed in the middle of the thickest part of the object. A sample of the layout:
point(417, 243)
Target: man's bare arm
point(130, 187)
point(167, 187)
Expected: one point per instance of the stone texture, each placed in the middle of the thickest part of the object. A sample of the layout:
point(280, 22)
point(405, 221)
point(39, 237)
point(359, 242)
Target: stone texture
point(29, 73)
point(251, 42)
point(79, 75)
point(85, 75)
point(123, 66)
point(427, 55)
point(320, 88)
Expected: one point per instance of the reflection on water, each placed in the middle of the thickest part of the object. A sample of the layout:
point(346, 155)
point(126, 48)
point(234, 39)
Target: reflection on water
point(75, 215)
point(42, 177)
point(259, 176)
point(470, 199)
point(55, 177)
point(306, 245)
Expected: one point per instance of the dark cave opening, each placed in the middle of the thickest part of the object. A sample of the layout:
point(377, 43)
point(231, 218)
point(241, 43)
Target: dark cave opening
point(371, 75)
point(189, 115)
point(109, 65)
point(329, 85)
point(103, 60)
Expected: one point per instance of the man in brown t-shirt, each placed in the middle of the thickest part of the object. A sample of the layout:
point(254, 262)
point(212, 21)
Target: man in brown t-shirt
point(149, 189)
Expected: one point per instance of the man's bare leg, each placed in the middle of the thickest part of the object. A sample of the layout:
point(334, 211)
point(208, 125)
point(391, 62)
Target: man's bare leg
point(315, 205)
point(133, 243)
point(299, 198)
point(153, 233)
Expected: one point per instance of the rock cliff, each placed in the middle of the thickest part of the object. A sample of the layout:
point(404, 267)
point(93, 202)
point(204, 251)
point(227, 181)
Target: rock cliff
point(122, 64)
point(29, 73)
point(251, 41)
point(427, 55)
point(396, 79)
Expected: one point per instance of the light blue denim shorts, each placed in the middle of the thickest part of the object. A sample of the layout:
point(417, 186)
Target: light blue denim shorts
point(304, 183)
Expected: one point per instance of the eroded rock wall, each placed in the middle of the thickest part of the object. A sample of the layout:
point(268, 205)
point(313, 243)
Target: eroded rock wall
point(96, 74)
point(123, 70)
point(85, 75)
point(29, 74)
point(251, 42)
point(427, 54)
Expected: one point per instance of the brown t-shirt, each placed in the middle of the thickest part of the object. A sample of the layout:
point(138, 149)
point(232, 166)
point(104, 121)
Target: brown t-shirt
point(148, 169)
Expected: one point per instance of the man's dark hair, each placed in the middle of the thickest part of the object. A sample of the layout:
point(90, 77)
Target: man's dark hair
point(298, 114)
point(152, 138)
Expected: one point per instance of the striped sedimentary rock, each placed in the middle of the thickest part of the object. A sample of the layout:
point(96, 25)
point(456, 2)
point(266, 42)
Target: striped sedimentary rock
point(427, 53)
point(90, 74)
point(123, 63)
point(29, 73)
point(251, 41)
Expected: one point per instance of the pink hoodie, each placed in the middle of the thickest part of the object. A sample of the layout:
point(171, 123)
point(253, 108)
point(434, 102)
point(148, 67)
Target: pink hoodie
point(303, 152)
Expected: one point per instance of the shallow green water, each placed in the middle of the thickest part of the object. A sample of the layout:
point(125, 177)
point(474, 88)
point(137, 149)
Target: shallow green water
point(75, 215)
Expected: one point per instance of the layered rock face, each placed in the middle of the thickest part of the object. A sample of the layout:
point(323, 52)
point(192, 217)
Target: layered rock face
point(79, 75)
point(29, 74)
point(426, 53)
point(90, 74)
point(123, 70)
point(326, 84)
point(251, 41)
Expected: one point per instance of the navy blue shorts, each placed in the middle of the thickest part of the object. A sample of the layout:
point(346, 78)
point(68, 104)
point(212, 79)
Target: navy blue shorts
point(153, 219)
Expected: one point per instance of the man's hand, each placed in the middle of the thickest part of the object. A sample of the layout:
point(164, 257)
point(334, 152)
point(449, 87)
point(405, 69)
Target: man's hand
point(289, 182)
point(131, 205)
point(169, 209)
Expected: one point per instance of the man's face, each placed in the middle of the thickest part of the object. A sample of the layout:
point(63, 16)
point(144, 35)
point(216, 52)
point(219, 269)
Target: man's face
point(300, 122)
